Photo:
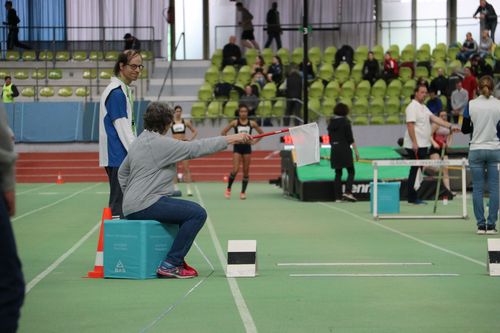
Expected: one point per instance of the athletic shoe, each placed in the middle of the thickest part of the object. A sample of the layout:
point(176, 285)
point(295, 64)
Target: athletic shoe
point(179, 272)
point(189, 268)
point(481, 230)
point(243, 196)
point(338, 201)
point(491, 229)
point(418, 202)
point(349, 197)
point(189, 193)
point(227, 194)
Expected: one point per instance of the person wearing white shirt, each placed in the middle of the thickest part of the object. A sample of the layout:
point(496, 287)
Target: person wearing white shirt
point(484, 154)
point(418, 133)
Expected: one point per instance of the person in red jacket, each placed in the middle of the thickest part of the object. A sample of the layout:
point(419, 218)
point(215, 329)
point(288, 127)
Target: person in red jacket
point(391, 69)
point(469, 83)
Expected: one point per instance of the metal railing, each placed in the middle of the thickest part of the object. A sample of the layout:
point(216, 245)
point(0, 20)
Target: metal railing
point(170, 69)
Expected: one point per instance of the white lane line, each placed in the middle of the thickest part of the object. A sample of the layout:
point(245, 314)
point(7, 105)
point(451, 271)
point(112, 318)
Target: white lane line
point(377, 275)
point(353, 263)
point(59, 260)
point(54, 203)
point(272, 154)
point(35, 189)
point(48, 193)
point(434, 246)
point(245, 315)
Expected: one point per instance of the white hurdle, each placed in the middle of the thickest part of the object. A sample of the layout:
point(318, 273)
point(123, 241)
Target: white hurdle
point(436, 163)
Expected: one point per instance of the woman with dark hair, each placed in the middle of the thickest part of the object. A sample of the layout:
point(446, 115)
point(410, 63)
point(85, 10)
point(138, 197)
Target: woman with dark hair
point(341, 141)
point(147, 178)
point(275, 71)
point(241, 152)
point(178, 128)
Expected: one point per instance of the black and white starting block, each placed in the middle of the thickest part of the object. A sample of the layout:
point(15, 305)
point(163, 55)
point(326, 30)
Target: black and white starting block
point(241, 258)
point(494, 256)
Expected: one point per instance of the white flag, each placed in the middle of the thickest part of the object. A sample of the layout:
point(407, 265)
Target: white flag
point(305, 138)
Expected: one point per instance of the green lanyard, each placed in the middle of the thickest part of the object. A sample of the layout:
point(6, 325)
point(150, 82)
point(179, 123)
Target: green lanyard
point(131, 99)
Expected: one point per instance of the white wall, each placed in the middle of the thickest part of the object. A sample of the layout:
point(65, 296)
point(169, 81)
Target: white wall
point(189, 19)
point(221, 12)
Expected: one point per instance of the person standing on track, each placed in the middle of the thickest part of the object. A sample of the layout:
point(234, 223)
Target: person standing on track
point(178, 128)
point(241, 152)
point(147, 178)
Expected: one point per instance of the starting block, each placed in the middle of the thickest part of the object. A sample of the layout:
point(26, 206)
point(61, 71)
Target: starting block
point(494, 256)
point(134, 249)
point(241, 258)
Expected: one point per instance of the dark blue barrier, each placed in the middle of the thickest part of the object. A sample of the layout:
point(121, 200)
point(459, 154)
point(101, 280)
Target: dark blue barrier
point(60, 121)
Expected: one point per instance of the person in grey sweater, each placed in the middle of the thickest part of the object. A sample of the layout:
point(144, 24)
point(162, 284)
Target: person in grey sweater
point(146, 177)
point(459, 100)
point(11, 276)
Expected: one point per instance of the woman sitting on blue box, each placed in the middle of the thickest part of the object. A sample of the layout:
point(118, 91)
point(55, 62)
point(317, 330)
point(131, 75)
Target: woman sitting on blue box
point(147, 178)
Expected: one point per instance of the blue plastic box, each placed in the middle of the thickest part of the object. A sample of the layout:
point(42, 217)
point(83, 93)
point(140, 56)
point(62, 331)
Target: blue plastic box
point(388, 197)
point(134, 249)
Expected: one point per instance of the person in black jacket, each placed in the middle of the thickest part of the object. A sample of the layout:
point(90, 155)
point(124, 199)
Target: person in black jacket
point(273, 26)
point(371, 69)
point(293, 97)
point(487, 17)
point(341, 141)
point(231, 53)
point(131, 42)
point(12, 22)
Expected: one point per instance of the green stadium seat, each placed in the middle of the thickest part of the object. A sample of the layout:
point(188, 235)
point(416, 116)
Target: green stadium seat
point(269, 91)
point(379, 88)
point(404, 104)
point(229, 74)
point(205, 93)
point(45, 56)
point(316, 89)
point(314, 107)
point(217, 58)
point(394, 51)
point(326, 72)
point(250, 56)
point(452, 53)
point(38, 74)
point(360, 54)
point(234, 95)
point(408, 54)
point(357, 72)
point(230, 109)
point(4, 73)
point(284, 55)
point(279, 107)
point(454, 65)
point(62, 56)
point(21, 74)
point(342, 73)
point(444, 101)
point(80, 55)
point(96, 55)
point(198, 110)
point(394, 88)
point(214, 109)
point(12, 56)
point(405, 73)
point(143, 74)
point(106, 74)
point(393, 120)
point(421, 71)
point(346, 101)
point(82, 92)
point(377, 107)
point(297, 55)
point(439, 54)
point(360, 121)
point(55, 74)
point(347, 89)
point(408, 88)
point(329, 55)
point(264, 109)
point(332, 90)
point(212, 75)
point(147, 55)
point(360, 107)
point(327, 107)
point(244, 75)
point(47, 92)
point(89, 74)
point(437, 65)
point(28, 92)
point(377, 120)
point(65, 92)
point(423, 54)
point(314, 55)
point(392, 105)
point(363, 89)
point(29, 55)
point(111, 55)
point(267, 54)
point(378, 52)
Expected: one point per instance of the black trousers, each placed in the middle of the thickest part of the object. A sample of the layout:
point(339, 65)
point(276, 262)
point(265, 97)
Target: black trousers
point(11, 276)
point(271, 36)
point(13, 40)
point(115, 192)
point(292, 109)
point(338, 182)
point(422, 154)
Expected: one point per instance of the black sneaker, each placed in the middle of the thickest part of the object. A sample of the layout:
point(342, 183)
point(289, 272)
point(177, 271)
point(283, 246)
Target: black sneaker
point(491, 230)
point(481, 229)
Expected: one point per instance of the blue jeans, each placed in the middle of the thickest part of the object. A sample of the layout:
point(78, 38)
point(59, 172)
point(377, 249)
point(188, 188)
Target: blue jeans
point(187, 214)
point(483, 165)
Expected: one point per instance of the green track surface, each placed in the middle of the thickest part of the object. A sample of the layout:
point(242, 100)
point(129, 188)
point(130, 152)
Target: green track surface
point(51, 219)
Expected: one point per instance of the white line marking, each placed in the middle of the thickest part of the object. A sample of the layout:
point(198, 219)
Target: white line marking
point(377, 275)
point(434, 246)
point(54, 203)
point(48, 193)
point(354, 263)
point(35, 189)
point(272, 154)
point(59, 260)
point(245, 315)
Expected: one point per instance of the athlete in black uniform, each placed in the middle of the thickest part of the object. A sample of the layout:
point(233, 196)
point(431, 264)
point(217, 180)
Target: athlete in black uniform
point(178, 128)
point(241, 152)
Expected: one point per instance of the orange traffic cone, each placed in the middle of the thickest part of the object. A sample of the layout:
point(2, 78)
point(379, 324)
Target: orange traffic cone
point(60, 179)
point(98, 271)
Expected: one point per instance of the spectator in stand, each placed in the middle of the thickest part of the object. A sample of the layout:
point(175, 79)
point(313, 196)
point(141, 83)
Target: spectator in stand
point(440, 83)
point(275, 71)
point(293, 96)
point(469, 47)
point(250, 100)
point(310, 69)
point(434, 103)
point(371, 68)
point(247, 36)
point(485, 45)
point(258, 82)
point(259, 66)
point(231, 53)
point(391, 70)
point(469, 83)
point(131, 42)
point(487, 17)
point(273, 26)
point(454, 77)
point(459, 100)
point(9, 91)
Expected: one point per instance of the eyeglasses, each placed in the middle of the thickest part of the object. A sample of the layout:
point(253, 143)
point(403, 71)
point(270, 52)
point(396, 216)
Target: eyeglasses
point(135, 67)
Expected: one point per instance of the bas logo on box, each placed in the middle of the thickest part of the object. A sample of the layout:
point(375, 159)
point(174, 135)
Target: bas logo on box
point(119, 268)
point(359, 188)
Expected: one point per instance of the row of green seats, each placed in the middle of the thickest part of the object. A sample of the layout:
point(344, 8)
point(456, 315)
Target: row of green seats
point(51, 91)
point(31, 55)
